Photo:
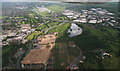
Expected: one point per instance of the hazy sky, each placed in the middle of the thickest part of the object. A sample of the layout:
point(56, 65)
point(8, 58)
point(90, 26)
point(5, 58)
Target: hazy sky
point(21, 0)
point(55, 0)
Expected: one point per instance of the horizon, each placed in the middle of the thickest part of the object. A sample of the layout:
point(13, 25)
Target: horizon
point(60, 0)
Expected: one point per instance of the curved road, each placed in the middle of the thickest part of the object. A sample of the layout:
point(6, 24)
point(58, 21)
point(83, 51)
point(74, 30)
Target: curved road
point(52, 27)
point(76, 61)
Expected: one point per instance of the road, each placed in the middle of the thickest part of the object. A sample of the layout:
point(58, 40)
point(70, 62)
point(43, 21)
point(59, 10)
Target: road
point(76, 61)
point(18, 60)
point(52, 27)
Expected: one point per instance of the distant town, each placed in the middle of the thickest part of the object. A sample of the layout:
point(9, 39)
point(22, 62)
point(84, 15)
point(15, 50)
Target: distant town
point(94, 15)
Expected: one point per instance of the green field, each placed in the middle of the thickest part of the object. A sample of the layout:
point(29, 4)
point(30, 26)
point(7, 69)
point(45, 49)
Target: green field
point(61, 55)
point(52, 24)
point(102, 37)
point(8, 51)
point(56, 8)
point(42, 13)
point(31, 15)
point(5, 51)
point(2, 17)
point(42, 26)
point(60, 29)
point(31, 36)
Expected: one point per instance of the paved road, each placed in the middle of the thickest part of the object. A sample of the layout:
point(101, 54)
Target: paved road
point(76, 61)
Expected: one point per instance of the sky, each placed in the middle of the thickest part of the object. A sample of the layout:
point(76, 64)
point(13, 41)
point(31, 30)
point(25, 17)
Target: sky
point(21, 0)
point(56, 0)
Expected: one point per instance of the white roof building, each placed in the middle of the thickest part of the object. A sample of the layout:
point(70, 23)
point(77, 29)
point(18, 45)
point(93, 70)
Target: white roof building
point(99, 21)
point(106, 54)
point(18, 38)
point(68, 14)
point(111, 24)
point(93, 9)
point(101, 12)
point(74, 30)
point(93, 21)
point(83, 20)
point(113, 21)
point(74, 17)
point(110, 14)
point(76, 20)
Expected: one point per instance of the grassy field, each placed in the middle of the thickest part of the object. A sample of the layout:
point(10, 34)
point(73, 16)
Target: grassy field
point(56, 8)
point(31, 36)
point(61, 55)
point(42, 13)
point(31, 15)
point(60, 29)
point(52, 24)
point(96, 38)
point(2, 17)
point(42, 26)
point(73, 51)
point(7, 51)
point(88, 40)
